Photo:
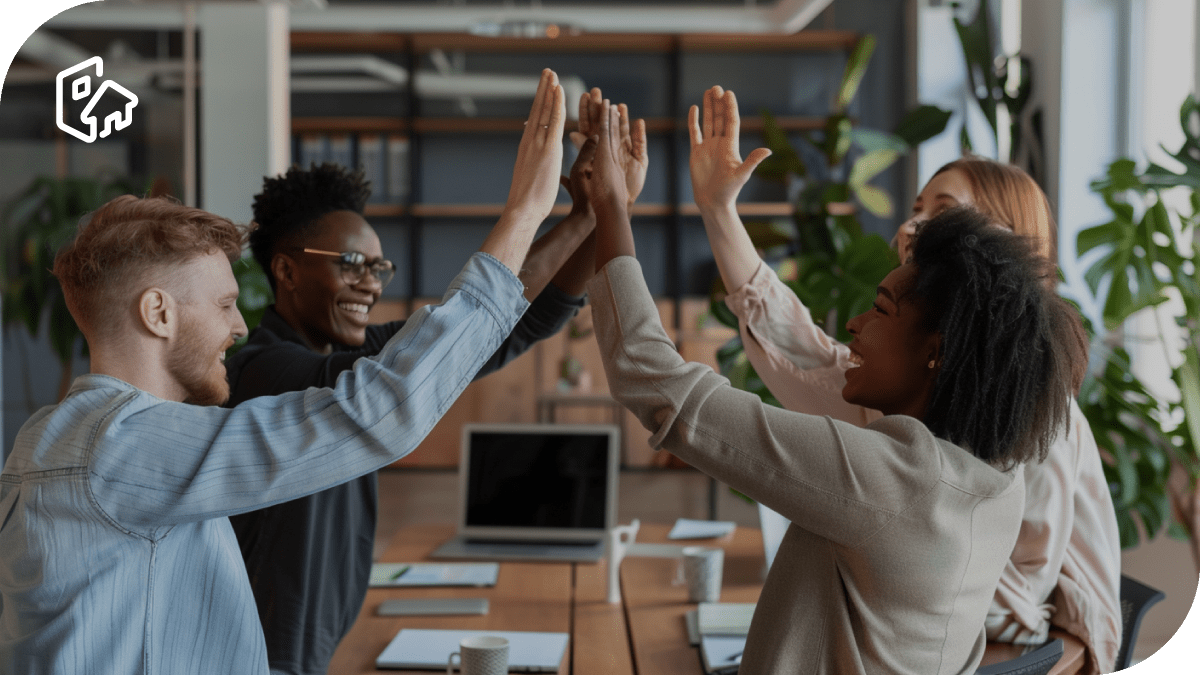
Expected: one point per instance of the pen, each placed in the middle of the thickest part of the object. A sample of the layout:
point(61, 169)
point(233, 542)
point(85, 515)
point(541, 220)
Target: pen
point(400, 572)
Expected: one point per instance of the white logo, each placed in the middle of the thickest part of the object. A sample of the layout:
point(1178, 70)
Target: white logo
point(81, 87)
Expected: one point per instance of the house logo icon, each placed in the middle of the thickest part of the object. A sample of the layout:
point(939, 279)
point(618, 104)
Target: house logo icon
point(81, 87)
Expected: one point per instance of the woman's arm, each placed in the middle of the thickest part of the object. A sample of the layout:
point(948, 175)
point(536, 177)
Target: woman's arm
point(835, 480)
point(801, 365)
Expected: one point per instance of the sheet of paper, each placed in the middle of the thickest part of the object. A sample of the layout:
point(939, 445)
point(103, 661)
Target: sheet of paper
point(434, 574)
point(721, 654)
point(686, 528)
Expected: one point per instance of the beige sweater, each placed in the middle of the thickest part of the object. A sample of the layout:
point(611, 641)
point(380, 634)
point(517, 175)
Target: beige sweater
point(1066, 567)
point(897, 538)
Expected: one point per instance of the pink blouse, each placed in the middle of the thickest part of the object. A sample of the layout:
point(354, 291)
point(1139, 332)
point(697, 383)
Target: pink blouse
point(1066, 566)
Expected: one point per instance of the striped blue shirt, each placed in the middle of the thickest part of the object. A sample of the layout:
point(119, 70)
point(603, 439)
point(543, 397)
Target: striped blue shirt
point(116, 555)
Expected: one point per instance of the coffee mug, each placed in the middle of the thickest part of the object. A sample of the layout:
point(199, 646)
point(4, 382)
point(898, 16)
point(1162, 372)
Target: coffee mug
point(702, 568)
point(480, 655)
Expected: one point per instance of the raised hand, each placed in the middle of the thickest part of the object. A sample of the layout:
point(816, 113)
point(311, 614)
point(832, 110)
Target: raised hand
point(631, 154)
point(539, 157)
point(718, 172)
point(607, 191)
point(604, 181)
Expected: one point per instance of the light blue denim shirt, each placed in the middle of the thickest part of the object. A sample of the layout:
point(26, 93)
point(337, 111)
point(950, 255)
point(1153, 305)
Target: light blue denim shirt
point(115, 553)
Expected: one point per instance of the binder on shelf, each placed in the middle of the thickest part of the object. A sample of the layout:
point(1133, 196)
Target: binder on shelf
point(340, 151)
point(397, 168)
point(371, 157)
point(314, 149)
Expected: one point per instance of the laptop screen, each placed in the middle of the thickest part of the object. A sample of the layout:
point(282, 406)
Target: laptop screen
point(543, 477)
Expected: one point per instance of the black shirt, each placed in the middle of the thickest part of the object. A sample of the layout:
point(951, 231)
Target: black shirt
point(309, 560)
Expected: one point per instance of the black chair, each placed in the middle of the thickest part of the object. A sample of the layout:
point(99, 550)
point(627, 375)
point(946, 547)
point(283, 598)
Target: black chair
point(1038, 661)
point(1136, 598)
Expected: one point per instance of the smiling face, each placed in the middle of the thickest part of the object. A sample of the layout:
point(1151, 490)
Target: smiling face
point(891, 351)
point(314, 299)
point(946, 190)
point(209, 323)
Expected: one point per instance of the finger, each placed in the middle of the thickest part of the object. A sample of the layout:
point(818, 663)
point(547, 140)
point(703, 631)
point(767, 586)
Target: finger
point(605, 131)
point(623, 123)
point(595, 104)
point(558, 113)
point(733, 118)
point(639, 139)
point(584, 110)
point(548, 101)
point(578, 138)
point(719, 111)
point(755, 158)
point(707, 121)
point(614, 124)
point(694, 133)
point(535, 110)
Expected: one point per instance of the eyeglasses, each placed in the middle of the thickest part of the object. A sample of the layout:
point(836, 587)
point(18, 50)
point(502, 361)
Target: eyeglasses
point(354, 266)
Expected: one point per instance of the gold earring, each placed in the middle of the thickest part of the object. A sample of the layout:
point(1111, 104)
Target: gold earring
point(931, 364)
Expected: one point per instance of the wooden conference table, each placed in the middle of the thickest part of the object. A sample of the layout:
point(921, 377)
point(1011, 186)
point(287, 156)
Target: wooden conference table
point(645, 634)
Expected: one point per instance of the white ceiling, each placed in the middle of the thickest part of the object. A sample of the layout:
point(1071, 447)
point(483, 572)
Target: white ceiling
point(596, 16)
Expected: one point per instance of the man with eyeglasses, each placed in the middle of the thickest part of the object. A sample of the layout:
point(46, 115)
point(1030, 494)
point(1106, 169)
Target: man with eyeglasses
point(309, 560)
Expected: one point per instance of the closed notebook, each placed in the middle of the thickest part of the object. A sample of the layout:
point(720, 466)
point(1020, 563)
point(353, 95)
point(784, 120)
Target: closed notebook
point(434, 574)
point(724, 618)
point(423, 649)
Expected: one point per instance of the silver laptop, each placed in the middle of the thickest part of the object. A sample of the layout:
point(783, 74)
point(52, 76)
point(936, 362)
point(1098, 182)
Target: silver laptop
point(535, 492)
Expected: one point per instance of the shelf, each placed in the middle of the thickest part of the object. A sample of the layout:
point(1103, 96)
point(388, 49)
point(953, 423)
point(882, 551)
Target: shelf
point(302, 125)
point(749, 209)
point(476, 125)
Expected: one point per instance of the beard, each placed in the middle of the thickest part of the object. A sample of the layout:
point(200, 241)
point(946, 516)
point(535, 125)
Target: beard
point(190, 364)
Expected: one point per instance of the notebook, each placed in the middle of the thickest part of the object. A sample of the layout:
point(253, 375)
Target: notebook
point(430, 649)
point(434, 574)
point(724, 618)
point(535, 492)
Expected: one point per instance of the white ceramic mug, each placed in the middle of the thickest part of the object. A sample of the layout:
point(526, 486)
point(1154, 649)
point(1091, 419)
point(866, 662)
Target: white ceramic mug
point(702, 569)
point(480, 655)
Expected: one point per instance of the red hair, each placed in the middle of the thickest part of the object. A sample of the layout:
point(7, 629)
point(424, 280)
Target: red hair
point(131, 240)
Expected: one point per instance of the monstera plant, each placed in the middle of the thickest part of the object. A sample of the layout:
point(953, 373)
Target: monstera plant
point(827, 259)
point(1147, 255)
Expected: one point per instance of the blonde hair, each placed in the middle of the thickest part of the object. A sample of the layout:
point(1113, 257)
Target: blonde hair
point(1011, 198)
point(128, 240)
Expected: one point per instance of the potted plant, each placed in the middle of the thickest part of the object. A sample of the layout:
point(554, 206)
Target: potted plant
point(1148, 254)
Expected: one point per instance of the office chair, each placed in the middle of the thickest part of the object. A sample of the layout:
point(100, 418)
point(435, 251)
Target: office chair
point(1136, 598)
point(1036, 662)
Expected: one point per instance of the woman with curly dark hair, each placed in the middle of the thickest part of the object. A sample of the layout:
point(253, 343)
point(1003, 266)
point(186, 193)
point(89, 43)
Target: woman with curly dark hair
point(901, 529)
point(309, 560)
point(1064, 572)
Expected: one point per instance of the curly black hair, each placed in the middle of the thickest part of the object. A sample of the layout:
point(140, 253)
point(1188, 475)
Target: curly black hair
point(290, 205)
point(1012, 352)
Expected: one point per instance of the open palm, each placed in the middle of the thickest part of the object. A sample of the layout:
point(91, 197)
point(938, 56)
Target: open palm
point(718, 172)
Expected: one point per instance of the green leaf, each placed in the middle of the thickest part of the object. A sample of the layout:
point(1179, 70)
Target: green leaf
point(837, 139)
point(870, 165)
point(875, 200)
point(1189, 389)
point(871, 139)
point(921, 124)
point(856, 67)
point(784, 161)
